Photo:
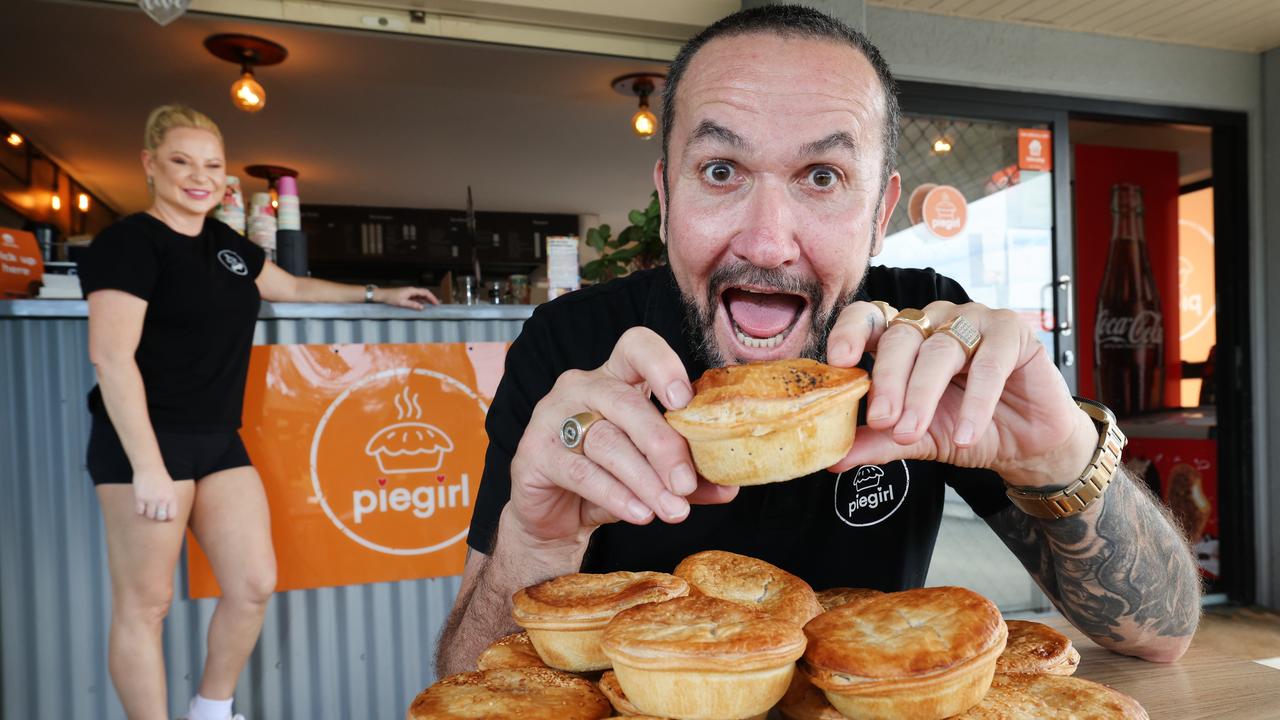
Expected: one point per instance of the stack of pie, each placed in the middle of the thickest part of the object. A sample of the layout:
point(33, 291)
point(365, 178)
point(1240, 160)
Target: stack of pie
point(729, 637)
point(565, 616)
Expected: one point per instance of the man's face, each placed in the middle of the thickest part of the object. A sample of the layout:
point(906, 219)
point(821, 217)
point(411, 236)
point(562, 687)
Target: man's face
point(774, 205)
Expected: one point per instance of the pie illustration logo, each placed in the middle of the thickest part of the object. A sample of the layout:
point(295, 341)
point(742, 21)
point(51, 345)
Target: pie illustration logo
point(395, 460)
point(945, 212)
point(871, 493)
point(408, 447)
point(233, 262)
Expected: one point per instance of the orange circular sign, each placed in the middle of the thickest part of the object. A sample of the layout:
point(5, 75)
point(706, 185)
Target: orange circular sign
point(389, 460)
point(945, 211)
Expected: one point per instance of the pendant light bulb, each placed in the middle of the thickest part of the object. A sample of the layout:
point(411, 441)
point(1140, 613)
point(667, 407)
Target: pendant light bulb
point(247, 94)
point(55, 202)
point(644, 123)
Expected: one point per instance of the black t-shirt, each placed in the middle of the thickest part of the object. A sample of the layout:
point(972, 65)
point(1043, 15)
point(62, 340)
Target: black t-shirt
point(202, 304)
point(873, 526)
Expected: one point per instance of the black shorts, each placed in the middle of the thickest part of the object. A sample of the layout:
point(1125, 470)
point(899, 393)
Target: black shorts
point(187, 455)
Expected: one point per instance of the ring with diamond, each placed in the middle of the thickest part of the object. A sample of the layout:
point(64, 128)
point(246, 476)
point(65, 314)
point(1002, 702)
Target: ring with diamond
point(965, 332)
point(916, 319)
point(573, 431)
point(162, 514)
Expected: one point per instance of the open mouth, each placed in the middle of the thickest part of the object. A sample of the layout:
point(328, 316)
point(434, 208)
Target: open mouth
point(197, 194)
point(761, 319)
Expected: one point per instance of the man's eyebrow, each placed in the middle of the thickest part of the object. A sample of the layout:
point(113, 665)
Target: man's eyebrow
point(838, 139)
point(711, 130)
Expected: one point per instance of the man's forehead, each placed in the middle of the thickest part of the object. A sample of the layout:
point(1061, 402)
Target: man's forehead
point(773, 73)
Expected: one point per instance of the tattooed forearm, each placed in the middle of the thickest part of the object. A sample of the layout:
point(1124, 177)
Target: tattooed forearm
point(1120, 570)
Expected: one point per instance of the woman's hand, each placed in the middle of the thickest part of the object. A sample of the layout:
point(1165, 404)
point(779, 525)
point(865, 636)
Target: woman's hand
point(406, 297)
point(154, 495)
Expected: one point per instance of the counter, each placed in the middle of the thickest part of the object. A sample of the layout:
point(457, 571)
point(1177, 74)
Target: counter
point(295, 311)
point(378, 639)
point(1204, 683)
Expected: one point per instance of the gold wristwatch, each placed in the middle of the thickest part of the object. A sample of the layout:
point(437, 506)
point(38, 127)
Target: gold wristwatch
point(1082, 493)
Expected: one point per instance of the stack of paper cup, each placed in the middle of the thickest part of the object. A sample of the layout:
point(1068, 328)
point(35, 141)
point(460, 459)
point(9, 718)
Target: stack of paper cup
point(262, 223)
point(288, 214)
point(231, 209)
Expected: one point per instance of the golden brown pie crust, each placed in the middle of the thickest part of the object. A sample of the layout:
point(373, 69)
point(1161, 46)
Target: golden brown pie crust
point(512, 651)
point(702, 658)
point(904, 634)
point(925, 654)
point(1053, 697)
point(701, 633)
point(835, 597)
point(528, 693)
point(588, 599)
point(750, 582)
point(1037, 648)
point(770, 421)
point(565, 616)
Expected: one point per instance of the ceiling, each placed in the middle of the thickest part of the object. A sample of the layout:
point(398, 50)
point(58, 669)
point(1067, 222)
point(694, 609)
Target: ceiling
point(366, 119)
point(1246, 25)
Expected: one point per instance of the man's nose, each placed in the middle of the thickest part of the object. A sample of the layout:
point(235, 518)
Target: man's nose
point(766, 234)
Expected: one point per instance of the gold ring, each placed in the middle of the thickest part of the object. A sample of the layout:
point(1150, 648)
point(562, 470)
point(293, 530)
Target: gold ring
point(887, 310)
point(573, 431)
point(916, 319)
point(965, 333)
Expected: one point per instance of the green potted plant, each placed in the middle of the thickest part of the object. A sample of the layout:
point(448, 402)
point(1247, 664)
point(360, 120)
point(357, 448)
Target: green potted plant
point(637, 247)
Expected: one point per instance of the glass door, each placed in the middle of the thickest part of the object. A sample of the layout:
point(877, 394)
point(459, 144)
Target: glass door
point(978, 206)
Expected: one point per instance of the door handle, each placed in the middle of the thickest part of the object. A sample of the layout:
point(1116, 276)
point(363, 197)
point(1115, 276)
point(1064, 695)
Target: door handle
point(1067, 324)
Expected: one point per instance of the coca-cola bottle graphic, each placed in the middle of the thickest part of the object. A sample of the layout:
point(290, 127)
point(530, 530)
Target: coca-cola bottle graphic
point(1128, 338)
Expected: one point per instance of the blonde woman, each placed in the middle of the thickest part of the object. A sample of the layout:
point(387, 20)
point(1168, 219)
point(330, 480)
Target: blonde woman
point(173, 297)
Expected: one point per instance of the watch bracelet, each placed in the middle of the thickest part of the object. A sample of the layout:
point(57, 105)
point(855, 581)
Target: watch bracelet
point(1086, 489)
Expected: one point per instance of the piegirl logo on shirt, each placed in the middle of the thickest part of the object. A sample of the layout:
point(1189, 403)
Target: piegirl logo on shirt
point(383, 460)
point(871, 493)
point(233, 262)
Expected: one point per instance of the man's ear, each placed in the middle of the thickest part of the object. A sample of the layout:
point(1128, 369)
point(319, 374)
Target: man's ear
point(658, 171)
point(892, 193)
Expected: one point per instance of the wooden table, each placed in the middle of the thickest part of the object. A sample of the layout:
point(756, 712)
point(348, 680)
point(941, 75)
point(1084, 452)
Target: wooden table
point(1203, 684)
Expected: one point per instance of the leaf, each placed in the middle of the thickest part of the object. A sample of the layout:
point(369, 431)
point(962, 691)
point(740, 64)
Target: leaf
point(631, 235)
point(592, 270)
point(627, 254)
point(636, 217)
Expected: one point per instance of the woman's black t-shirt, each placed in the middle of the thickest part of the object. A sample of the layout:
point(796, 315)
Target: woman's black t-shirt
point(202, 304)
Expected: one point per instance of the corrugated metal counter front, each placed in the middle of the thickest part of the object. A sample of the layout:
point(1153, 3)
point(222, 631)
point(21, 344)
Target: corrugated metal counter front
point(348, 652)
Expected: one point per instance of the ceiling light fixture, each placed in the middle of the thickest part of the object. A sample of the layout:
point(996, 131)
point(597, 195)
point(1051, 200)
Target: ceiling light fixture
point(644, 123)
point(14, 140)
point(248, 52)
point(82, 202)
point(941, 146)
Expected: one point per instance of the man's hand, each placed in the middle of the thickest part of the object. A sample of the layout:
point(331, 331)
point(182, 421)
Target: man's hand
point(1007, 409)
point(1119, 571)
point(634, 465)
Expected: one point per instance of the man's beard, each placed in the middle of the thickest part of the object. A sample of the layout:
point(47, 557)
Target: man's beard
point(699, 321)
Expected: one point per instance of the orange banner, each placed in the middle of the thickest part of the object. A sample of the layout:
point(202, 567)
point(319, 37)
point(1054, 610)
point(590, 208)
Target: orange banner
point(371, 457)
point(21, 265)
